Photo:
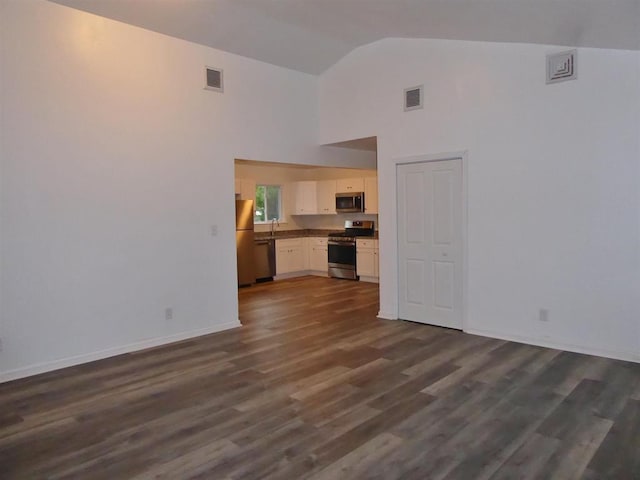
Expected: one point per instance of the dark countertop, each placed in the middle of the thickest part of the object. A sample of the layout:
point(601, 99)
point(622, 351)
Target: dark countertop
point(283, 234)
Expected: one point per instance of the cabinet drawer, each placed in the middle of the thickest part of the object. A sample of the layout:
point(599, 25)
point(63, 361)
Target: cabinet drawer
point(288, 242)
point(318, 241)
point(365, 243)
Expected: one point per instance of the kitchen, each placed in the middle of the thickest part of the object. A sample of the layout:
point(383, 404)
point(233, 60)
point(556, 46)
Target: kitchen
point(307, 220)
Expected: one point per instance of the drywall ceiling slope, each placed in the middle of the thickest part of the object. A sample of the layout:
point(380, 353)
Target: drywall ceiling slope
point(310, 36)
point(369, 144)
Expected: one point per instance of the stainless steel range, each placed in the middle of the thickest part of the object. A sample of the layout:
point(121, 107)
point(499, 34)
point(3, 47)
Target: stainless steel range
point(342, 248)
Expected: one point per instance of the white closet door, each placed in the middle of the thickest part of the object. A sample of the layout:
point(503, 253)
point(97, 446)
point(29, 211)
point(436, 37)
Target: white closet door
point(430, 242)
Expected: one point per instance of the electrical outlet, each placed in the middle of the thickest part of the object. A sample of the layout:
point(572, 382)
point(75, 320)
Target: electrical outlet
point(214, 230)
point(168, 313)
point(543, 315)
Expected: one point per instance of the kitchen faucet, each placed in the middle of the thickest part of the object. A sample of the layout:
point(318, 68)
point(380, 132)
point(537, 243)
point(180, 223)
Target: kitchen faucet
point(274, 221)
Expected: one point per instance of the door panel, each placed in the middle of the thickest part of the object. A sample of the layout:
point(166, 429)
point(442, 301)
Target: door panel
point(442, 207)
point(414, 211)
point(430, 242)
point(443, 277)
point(415, 279)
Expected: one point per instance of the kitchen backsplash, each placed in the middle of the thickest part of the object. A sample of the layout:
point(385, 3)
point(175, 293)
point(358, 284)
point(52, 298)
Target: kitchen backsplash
point(332, 221)
point(321, 222)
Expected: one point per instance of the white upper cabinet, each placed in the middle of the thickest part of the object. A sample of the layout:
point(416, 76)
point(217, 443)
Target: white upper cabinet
point(318, 197)
point(371, 195)
point(245, 189)
point(326, 192)
point(305, 196)
point(348, 185)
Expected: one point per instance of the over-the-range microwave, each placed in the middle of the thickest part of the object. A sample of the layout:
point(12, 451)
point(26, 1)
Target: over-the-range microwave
point(349, 202)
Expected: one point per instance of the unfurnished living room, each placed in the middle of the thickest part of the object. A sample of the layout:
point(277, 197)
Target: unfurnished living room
point(438, 276)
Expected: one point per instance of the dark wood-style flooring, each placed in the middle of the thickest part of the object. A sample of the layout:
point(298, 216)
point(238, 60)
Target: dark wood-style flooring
point(314, 386)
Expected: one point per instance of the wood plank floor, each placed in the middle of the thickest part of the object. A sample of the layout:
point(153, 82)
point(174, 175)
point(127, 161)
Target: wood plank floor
point(314, 386)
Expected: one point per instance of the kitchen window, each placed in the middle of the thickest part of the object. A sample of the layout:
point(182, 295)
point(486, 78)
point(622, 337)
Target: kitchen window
point(268, 203)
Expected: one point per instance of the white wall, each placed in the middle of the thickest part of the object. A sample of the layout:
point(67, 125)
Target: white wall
point(115, 163)
point(345, 158)
point(553, 178)
point(323, 173)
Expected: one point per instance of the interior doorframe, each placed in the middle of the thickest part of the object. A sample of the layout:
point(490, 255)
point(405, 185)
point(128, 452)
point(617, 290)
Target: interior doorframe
point(462, 155)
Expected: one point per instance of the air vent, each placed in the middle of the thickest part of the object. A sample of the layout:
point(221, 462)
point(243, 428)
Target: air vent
point(562, 66)
point(412, 98)
point(213, 79)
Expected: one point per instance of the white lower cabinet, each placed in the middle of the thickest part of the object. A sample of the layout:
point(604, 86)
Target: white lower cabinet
point(290, 255)
point(367, 259)
point(304, 256)
point(301, 256)
point(318, 254)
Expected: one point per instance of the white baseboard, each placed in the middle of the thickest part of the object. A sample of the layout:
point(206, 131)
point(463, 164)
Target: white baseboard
point(318, 273)
point(285, 276)
point(111, 352)
point(387, 315)
point(301, 273)
point(369, 279)
point(588, 350)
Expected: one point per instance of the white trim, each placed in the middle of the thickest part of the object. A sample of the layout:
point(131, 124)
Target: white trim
point(387, 316)
point(365, 278)
point(301, 273)
point(318, 273)
point(439, 157)
point(111, 352)
point(569, 347)
point(287, 275)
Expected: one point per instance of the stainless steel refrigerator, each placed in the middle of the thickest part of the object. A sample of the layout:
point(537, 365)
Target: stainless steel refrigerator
point(244, 242)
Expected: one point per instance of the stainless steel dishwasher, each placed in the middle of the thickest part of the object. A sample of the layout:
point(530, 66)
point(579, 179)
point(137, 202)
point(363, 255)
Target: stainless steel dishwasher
point(265, 259)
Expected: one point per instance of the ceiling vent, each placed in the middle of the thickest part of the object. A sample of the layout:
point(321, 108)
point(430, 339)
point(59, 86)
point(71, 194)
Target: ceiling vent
point(412, 98)
point(213, 79)
point(562, 66)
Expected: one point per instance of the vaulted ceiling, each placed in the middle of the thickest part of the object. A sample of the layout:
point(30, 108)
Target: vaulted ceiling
point(312, 35)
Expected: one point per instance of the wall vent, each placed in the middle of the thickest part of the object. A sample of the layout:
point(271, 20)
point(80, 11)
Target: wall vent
point(562, 66)
point(412, 98)
point(213, 79)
